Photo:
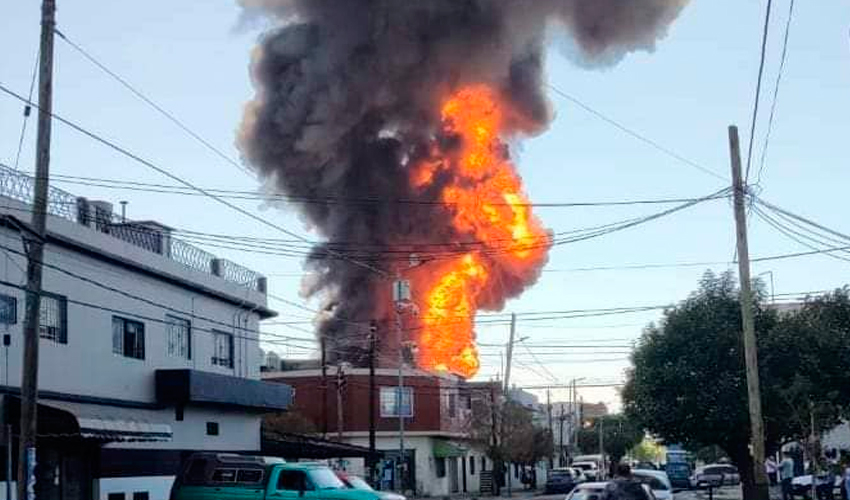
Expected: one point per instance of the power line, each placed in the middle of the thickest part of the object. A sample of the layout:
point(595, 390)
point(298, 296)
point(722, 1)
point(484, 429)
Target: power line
point(128, 185)
point(170, 116)
point(27, 109)
point(635, 134)
point(138, 159)
point(758, 88)
point(776, 90)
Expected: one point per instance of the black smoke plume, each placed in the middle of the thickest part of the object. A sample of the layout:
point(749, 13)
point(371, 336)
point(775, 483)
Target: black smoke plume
point(347, 97)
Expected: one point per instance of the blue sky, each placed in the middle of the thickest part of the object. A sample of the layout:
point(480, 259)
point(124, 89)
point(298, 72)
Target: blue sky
point(192, 57)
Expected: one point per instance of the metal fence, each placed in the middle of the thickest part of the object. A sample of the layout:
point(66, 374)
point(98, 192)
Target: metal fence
point(158, 239)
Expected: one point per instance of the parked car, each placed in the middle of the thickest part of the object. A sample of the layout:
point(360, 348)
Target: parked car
point(657, 481)
point(358, 483)
point(727, 475)
point(590, 469)
point(223, 476)
point(594, 490)
point(679, 474)
point(579, 475)
point(561, 480)
point(802, 485)
point(645, 466)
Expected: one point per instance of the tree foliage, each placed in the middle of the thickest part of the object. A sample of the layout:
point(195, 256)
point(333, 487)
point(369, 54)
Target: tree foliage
point(519, 440)
point(619, 435)
point(648, 450)
point(688, 385)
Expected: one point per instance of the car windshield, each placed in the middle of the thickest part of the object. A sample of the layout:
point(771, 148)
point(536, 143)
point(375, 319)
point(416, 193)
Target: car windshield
point(652, 481)
point(561, 474)
point(325, 479)
point(583, 466)
point(358, 483)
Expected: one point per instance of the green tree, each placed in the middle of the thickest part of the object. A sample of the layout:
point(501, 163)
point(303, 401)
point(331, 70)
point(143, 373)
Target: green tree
point(619, 435)
point(648, 450)
point(687, 383)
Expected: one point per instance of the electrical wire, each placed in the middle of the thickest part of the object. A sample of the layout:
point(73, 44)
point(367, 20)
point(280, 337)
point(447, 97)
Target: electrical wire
point(758, 89)
point(776, 91)
point(27, 109)
point(635, 134)
point(170, 116)
point(125, 152)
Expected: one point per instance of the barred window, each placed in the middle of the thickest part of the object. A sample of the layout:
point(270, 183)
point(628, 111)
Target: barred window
point(128, 338)
point(222, 349)
point(8, 310)
point(178, 335)
point(389, 397)
point(53, 318)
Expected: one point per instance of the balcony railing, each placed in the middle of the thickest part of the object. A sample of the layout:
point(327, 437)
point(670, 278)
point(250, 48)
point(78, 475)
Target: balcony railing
point(150, 236)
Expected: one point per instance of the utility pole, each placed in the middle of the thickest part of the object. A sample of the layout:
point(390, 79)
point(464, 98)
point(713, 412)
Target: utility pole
point(750, 347)
point(510, 354)
point(340, 382)
point(323, 358)
point(35, 255)
point(509, 357)
point(373, 336)
point(401, 297)
point(813, 457)
point(551, 429)
point(601, 443)
point(561, 439)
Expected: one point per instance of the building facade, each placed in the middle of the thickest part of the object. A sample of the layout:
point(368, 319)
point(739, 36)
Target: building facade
point(149, 349)
point(435, 409)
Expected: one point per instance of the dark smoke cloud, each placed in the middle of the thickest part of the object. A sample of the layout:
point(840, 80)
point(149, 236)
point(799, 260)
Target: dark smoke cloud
point(348, 95)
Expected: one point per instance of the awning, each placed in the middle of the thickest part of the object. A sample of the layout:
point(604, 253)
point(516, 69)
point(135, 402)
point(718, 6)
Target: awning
point(114, 424)
point(447, 449)
point(299, 446)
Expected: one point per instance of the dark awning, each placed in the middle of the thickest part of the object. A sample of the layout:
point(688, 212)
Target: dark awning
point(296, 446)
point(447, 449)
point(184, 387)
point(66, 420)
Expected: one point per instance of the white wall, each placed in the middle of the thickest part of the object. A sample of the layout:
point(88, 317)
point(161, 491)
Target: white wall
point(86, 364)
point(158, 487)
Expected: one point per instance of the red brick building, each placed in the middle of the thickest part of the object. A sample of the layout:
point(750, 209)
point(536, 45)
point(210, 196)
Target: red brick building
point(436, 411)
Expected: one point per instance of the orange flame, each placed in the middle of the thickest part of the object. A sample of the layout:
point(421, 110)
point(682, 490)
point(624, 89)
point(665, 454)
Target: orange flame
point(484, 194)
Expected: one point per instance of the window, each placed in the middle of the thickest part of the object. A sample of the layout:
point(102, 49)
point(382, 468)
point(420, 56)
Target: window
point(390, 402)
point(212, 428)
point(8, 310)
point(224, 476)
point(292, 480)
point(115, 496)
point(178, 413)
point(53, 318)
point(471, 466)
point(141, 495)
point(483, 463)
point(452, 405)
point(222, 349)
point(440, 467)
point(249, 476)
point(178, 336)
point(128, 338)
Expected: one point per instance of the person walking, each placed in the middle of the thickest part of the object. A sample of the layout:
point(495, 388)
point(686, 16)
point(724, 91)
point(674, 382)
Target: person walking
point(771, 468)
point(624, 486)
point(786, 475)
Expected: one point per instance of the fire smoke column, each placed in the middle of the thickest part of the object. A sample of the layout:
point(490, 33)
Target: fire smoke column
point(386, 123)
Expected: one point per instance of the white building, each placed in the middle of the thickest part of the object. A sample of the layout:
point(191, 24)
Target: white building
point(149, 349)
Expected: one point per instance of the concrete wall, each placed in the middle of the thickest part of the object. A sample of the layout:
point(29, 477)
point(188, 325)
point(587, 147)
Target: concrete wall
point(86, 365)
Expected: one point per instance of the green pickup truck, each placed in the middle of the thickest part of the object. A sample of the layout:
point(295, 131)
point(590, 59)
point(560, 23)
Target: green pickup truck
point(220, 476)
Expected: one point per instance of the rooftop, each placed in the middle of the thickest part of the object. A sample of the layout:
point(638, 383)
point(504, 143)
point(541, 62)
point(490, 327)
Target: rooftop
point(148, 235)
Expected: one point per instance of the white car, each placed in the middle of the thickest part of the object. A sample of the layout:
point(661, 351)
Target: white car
point(590, 469)
point(725, 473)
point(657, 481)
point(593, 491)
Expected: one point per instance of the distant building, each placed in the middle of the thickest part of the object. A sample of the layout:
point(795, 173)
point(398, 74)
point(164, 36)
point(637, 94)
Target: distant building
point(436, 408)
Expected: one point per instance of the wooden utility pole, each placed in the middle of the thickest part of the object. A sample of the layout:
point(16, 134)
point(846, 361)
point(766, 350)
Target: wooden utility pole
point(373, 338)
point(750, 347)
point(551, 429)
point(34, 247)
point(323, 359)
point(340, 380)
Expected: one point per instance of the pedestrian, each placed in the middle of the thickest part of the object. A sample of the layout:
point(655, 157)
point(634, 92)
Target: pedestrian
point(845, 490)
point(771, 468)
point(786, 475)
point(624, 486)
